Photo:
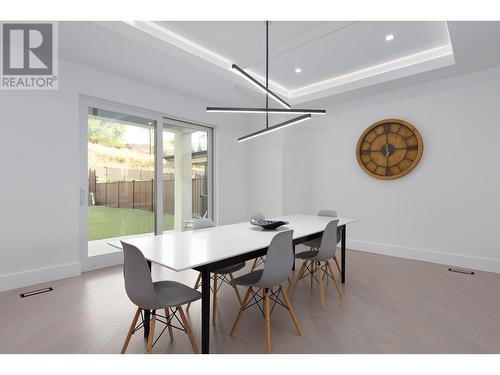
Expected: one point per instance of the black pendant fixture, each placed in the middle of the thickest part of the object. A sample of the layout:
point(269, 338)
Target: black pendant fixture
point(305, 114)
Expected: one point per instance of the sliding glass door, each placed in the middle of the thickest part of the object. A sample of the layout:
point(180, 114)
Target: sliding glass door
point(136, 183)
point(121, 178)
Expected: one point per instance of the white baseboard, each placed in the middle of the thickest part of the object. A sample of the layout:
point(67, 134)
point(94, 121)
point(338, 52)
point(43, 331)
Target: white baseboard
point(37, 276)
point(102, 261)
point(432, 256)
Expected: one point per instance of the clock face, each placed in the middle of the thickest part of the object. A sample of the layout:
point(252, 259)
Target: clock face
point(389, 149)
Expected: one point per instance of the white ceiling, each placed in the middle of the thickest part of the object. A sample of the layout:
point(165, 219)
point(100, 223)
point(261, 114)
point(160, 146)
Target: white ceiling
point(150, 62)
point(324, 50)
point(321, 49)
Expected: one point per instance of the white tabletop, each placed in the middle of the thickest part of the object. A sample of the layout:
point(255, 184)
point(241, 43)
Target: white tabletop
point(180, 251)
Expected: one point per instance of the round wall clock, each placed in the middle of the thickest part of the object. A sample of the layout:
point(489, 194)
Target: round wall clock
point(389, 149)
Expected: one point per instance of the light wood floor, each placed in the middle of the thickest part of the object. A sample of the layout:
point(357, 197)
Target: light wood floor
point(390, 305)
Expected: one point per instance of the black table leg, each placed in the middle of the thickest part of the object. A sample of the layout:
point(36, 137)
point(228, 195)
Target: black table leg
point(147, 314)
point(342, 231)
point(293, 266)
point(205, 311)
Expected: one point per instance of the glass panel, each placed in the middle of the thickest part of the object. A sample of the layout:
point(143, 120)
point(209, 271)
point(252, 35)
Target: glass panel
point(185, 176)
point(121, 166)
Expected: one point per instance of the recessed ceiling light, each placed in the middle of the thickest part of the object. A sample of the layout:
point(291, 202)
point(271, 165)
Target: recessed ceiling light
point(389, 37)
point(150, 123)
point(298, 70)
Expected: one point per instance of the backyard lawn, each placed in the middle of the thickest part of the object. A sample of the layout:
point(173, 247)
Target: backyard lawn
point(106, 222)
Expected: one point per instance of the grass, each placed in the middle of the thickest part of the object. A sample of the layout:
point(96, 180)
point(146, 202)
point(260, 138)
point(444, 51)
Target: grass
point(106, 222)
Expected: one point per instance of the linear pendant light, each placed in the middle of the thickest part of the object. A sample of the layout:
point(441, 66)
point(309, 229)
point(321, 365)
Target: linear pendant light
point(273, 128)
point(259, 85)
point(267, 110)
point(306, 114)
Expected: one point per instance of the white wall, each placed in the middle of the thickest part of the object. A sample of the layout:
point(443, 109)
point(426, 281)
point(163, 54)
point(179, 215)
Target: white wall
point(231, 176)
point(264, 170)
point(40, 179)
point(446, 210)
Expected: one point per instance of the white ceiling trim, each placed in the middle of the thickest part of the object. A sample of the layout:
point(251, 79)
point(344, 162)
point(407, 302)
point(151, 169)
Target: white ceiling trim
point(411, 64)
point(187, 45)
point(181, 42)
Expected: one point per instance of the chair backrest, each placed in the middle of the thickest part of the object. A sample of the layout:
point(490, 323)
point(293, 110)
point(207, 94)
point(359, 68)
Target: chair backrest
point(330, 213)
point(257, 216)
point(279, 260)
point(203, 223)
point(137, 275)
point(328, 241)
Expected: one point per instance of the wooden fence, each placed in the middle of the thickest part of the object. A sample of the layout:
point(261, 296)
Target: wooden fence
point(140, 194)
point(110, 174)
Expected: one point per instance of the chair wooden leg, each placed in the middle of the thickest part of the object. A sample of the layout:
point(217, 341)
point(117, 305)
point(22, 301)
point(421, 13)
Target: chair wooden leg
point(198, 280)
point(214, 302)
point(254, 264)
point(170, 332)
point(267, 316)
point(334, 281)
point(151, 336)
point(187, 327)
point(290, 310)
point(299, 275)
point(321, 287)
point(235, 288)
point(242, 306)
point(196, 286)
point(337, 263)
point(131, 330)
point(313, 269)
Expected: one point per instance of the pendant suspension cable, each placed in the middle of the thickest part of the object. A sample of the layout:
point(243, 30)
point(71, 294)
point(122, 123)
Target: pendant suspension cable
point(267, 73)
point(306, 114)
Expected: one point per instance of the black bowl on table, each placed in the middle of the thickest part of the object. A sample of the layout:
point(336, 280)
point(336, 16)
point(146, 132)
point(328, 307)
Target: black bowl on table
point(268, 224)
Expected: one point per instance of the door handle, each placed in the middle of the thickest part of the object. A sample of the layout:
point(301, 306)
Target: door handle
point(83, 193)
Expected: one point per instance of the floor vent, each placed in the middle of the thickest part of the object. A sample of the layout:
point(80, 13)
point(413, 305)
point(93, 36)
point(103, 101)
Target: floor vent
point(461, 270)
point(35, 292)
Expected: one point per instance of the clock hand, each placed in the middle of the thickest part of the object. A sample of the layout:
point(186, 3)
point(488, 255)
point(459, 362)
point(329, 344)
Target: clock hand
point(387, 148)
point(413, 147)
point(406, 148)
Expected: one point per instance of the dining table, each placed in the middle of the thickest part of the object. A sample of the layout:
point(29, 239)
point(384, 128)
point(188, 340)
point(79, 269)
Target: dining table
point(209, 249)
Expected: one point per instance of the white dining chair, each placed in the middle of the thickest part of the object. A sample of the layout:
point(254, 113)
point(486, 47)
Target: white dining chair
point(160, 295)
point(264, 285)
point(317, 263)
point(314, 244)
point(220, 276)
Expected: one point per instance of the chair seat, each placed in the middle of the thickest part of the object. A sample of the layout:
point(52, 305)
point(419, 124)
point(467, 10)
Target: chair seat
point(172, 293)
point(248, 279)
point(230, 269)
point(316, 243)
point(309, 254)
point(313, 243)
